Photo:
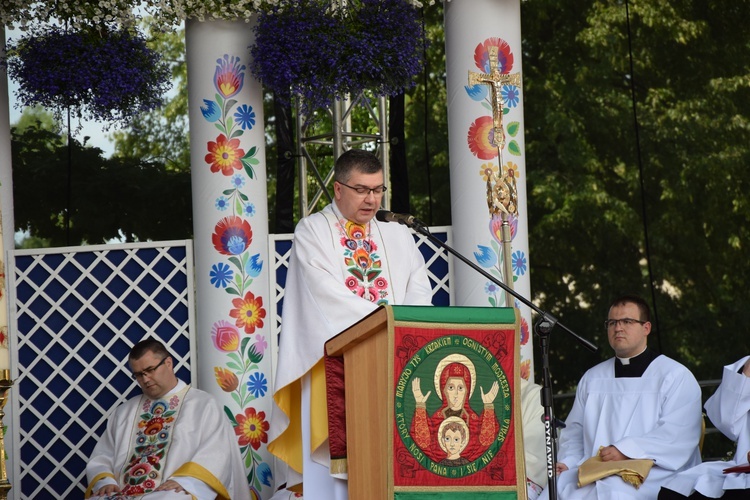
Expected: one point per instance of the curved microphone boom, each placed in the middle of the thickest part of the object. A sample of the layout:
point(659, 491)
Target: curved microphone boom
point(405, 219)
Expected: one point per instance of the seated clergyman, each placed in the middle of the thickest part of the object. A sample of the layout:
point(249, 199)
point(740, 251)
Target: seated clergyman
point(173, 441)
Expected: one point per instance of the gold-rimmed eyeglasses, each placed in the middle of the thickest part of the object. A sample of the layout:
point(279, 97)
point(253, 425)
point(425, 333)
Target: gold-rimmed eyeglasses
point(147, 371)
point(626, 322)
point(365, 191)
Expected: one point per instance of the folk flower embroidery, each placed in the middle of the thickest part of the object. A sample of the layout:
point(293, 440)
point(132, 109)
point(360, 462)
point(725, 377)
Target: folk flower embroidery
point(362, 263)
point(142, 473)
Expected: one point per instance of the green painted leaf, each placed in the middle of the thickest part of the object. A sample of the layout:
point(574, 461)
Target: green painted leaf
point(514, 148)
point(230, 415)
point(513, 128)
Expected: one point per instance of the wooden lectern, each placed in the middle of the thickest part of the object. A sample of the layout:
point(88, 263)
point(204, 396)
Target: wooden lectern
point(432, 406)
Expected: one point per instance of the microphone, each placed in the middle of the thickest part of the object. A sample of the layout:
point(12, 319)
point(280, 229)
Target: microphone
point(405, 219)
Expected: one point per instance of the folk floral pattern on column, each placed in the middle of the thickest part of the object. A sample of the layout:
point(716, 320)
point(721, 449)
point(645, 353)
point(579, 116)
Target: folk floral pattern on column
point(481, 142)
point(237, 333)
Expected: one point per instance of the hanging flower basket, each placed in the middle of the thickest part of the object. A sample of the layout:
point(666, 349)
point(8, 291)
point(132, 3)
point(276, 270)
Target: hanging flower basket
point(308, 48)
point(111, 77)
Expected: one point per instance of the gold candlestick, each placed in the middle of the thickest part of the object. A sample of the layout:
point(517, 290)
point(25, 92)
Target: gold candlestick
point(5, 385)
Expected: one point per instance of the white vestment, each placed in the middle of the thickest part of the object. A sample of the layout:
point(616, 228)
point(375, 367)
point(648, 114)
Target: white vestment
point(319, 304)
point(203, 438)
point(534, 448)
point(729, 410)
point(655, 416)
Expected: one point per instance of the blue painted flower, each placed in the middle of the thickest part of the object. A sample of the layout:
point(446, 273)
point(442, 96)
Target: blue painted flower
point(222, 203)
point(519, 263)
point(477, 92)
point(510, 95)
point(210, 110)
point(257, 384)
point(220, 275)
point(245, 116)
point(264, 473)
point(254, 266)
point(486, 257)
point(491, 288)
point(249, 210)
point(238, 181)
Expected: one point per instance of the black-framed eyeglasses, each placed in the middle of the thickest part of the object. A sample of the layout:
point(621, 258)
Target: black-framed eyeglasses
point(626, 322)
point(365, 191)
point(147, 371)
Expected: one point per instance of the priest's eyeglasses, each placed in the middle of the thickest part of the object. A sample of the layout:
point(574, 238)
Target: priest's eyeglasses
point(365, 191)
point(147, 371)
point(626, 322)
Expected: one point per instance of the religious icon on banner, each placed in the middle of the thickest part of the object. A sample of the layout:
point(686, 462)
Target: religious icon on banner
point(453, 407)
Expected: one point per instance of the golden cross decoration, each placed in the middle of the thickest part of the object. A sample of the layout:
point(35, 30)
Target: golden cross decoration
point(495, 79)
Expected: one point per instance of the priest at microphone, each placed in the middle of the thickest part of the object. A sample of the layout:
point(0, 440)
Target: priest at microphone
point(344, 264)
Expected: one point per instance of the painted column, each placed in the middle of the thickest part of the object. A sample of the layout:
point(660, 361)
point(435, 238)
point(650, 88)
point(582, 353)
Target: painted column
point(230, 235)
point(474, 30)
point(7, 243)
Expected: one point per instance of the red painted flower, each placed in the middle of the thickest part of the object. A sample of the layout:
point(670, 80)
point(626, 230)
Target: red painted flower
point(232, 235)
point(225, 155)
point(141, 469)
point(153, 426)
point(251, 428)
point(504, 55)
point(133, 490)
point(480, 138)
point(380, 283)
point(225, 336)
point(249, 312)
point(227, 380)
point(351, 282)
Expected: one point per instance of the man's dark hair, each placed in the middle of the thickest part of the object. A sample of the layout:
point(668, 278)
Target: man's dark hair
point(355, 159)
point(638, 301)
point(148, 345)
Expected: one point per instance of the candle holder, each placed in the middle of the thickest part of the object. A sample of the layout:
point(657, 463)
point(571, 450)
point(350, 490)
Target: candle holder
point(5, 384)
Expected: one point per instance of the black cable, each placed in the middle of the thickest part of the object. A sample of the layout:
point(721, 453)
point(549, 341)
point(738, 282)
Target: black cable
point(640, 176)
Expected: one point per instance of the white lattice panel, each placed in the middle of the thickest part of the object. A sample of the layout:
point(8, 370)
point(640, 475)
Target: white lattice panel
point(78, 311)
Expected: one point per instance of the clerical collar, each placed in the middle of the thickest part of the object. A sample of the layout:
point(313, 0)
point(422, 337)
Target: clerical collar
point(635, 366)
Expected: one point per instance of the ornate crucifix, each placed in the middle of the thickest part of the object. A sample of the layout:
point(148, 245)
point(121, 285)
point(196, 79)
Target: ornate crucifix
point(495, 79)
point(501, 193)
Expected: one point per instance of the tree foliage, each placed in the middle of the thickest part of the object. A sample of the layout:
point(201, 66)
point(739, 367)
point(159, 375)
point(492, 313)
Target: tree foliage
point(598, 182)
point(104, 199)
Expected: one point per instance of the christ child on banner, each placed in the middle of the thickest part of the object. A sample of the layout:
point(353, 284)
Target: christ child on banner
point(455, 381)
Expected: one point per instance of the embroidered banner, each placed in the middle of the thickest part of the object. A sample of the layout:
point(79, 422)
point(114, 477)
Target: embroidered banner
point(455, 407)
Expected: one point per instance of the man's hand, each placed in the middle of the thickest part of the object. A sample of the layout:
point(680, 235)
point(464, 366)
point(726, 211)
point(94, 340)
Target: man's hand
point(171, 485)
point(560, 467)
point(610, 453)
point(107, 490)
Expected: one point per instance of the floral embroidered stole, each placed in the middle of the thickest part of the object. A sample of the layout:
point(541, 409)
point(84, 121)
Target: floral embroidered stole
point(363, 268)
point(151, 437)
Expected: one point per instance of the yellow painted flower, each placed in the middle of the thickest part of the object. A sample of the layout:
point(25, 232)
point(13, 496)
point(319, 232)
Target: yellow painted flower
point(487, 170)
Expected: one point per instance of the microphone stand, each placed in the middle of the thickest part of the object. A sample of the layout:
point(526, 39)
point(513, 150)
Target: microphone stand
point(543, 329)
